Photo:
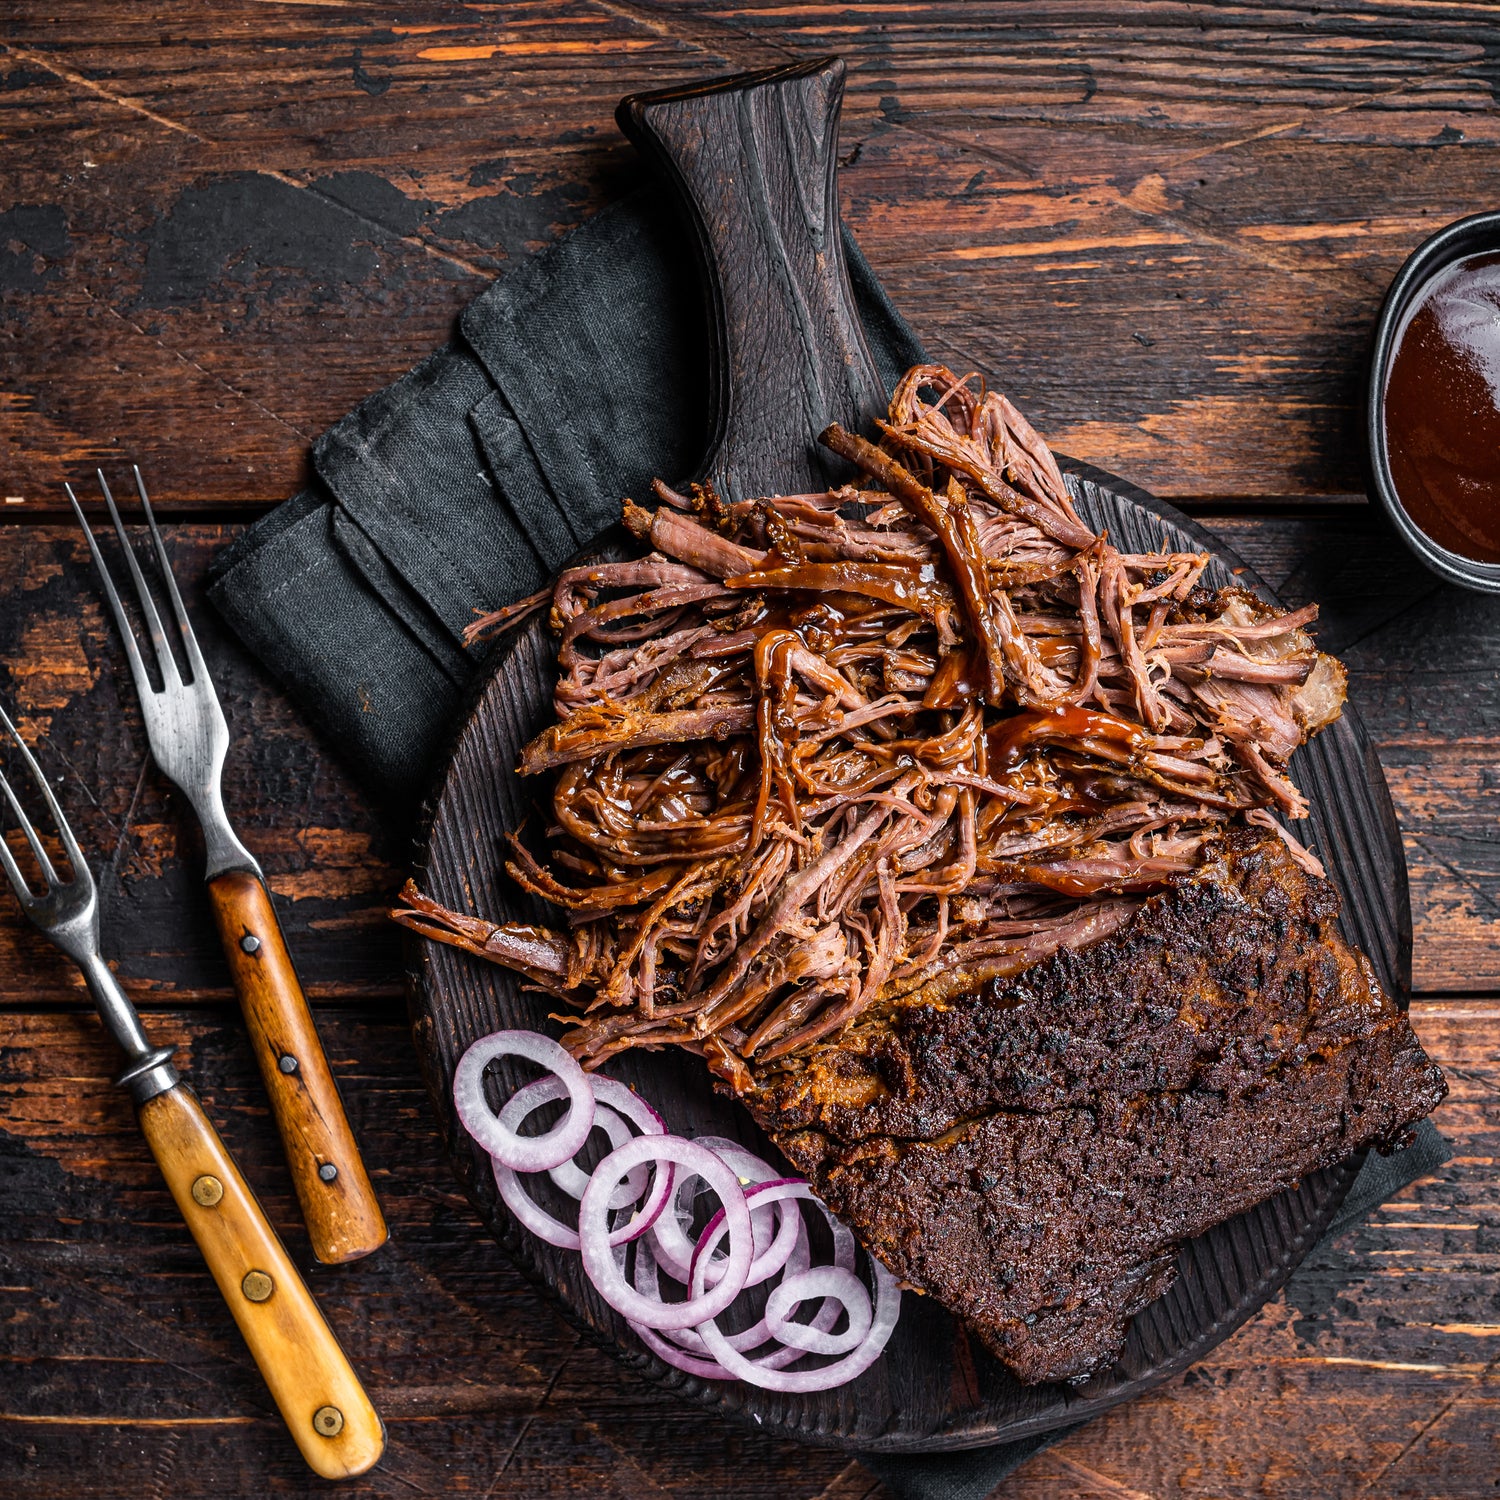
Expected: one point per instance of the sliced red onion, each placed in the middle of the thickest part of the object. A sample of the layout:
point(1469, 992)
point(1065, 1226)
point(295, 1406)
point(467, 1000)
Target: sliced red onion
point(677, 1346)
point(571, 1178)
point(767, 1262)
point(625, 1101)
point(763, 1374)
point(768, 1375)
point(648, 1283)
point(531, 1213)
point(674, 1250)
point(691, 1345)
point(747, 1166)
point(680, 1359)
point(839, 1286)
point(536, 1218)
point(615, 1095)
point(760, 1216)
point(599, 1260)
point(568, 1175)
point(539, 1153)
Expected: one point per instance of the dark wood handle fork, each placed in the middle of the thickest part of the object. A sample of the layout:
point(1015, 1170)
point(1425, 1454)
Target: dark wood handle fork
point(189, 740)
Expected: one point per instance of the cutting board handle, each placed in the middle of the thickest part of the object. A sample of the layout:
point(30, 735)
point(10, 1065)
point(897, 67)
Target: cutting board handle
point(754, 157)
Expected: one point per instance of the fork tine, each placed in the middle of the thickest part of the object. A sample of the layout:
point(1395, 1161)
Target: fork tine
point(22, 887)
point(40, 854)
point(127, 634)
point(164, 658)
point(184, 625)
point(70, 844)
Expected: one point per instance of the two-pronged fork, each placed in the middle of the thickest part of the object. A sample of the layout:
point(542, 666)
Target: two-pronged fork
point(310, 1378)
point(189, 739)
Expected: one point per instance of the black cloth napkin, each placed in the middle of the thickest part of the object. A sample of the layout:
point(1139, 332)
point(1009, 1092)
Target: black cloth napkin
point(575, 379)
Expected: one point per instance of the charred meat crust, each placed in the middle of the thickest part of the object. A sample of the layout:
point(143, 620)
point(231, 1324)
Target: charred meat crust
point(1034, 1156)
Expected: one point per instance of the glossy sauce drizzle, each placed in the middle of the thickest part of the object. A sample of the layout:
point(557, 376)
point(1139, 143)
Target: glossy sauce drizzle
point(1442, 409)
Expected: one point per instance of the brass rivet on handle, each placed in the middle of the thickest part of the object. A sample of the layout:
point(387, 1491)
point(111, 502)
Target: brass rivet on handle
point(257, 1286)
point(328, 1421)
point(207, 1190)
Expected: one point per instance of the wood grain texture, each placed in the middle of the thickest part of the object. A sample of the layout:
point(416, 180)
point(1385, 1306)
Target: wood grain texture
point(339, 1206)
point(753, 159)
point(1165, 230)
point(120, 1363)
point(1421, 656)
point(332, 859)
point(227, 226)
point(326, 1411)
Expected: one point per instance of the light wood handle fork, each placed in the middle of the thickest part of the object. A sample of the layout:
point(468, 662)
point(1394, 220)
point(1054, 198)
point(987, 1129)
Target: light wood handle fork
point(315, 1388)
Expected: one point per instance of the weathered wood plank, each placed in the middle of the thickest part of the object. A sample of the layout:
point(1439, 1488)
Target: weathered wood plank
point(227, 227)
point(1164, 229)
point(115, 1333)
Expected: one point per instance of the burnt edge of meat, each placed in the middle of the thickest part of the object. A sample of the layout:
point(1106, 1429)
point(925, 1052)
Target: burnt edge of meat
point(1034, 1155)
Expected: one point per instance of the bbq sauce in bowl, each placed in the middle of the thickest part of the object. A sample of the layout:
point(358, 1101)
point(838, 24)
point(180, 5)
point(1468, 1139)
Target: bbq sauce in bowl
point(1441, 408)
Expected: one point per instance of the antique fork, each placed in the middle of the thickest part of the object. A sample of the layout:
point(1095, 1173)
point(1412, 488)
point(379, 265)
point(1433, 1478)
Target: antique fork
point(317, 1392)
point(189, 739)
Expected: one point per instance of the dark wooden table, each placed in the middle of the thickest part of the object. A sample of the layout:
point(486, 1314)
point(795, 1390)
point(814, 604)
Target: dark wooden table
point(1164, 229)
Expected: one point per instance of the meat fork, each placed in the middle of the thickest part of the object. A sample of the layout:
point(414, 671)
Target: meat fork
point(189, 739)
point(315, 1389)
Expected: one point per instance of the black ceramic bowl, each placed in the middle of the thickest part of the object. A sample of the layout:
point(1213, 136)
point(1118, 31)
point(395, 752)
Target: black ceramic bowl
point(1476, 235)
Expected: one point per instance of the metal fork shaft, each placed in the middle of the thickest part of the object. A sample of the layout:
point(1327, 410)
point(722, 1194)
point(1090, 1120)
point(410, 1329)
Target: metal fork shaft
point(148, 1070)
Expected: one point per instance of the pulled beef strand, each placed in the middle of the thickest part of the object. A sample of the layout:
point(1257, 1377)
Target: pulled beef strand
point(820, 756)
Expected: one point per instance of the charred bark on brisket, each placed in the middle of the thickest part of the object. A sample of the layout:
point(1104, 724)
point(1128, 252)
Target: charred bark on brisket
point(1035, 1156)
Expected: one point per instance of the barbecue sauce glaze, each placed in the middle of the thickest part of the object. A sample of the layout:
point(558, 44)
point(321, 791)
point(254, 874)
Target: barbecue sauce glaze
point(1442, 409)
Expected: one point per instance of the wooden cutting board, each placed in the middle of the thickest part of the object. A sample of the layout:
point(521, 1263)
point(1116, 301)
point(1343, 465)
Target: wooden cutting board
point(754, 158)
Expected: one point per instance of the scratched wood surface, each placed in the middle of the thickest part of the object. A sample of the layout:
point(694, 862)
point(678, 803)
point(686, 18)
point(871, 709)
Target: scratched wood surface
point(1165, 228)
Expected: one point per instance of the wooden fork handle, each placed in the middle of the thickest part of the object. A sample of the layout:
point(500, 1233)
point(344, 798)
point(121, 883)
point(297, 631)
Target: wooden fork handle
point(319, 1396)
point(343, 1216)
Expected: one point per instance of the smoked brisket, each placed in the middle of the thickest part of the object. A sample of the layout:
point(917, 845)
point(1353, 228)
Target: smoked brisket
point(1034, 1154)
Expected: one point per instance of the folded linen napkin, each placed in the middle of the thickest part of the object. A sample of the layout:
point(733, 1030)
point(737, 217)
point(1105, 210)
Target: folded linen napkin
point(577, 378)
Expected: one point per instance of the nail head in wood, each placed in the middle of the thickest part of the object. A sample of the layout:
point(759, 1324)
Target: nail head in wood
point(250, 943)
point(287, 1063)
point(328, 1171)
point(328, 1421)
point(207, 1190)
point(257, 1286)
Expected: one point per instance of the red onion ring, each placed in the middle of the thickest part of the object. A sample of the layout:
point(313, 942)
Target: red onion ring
point(690, 1353)
point(677, 1346)
point(570, 1177)
point(762, 1373)
point(833, 1283)
point(613, 1094)
point(753, 1198)
point(648, 1283)
point(536, 1218)
point(789, 1228)
point(675, 1251)
point(539, 1153)
point(598, 1257)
